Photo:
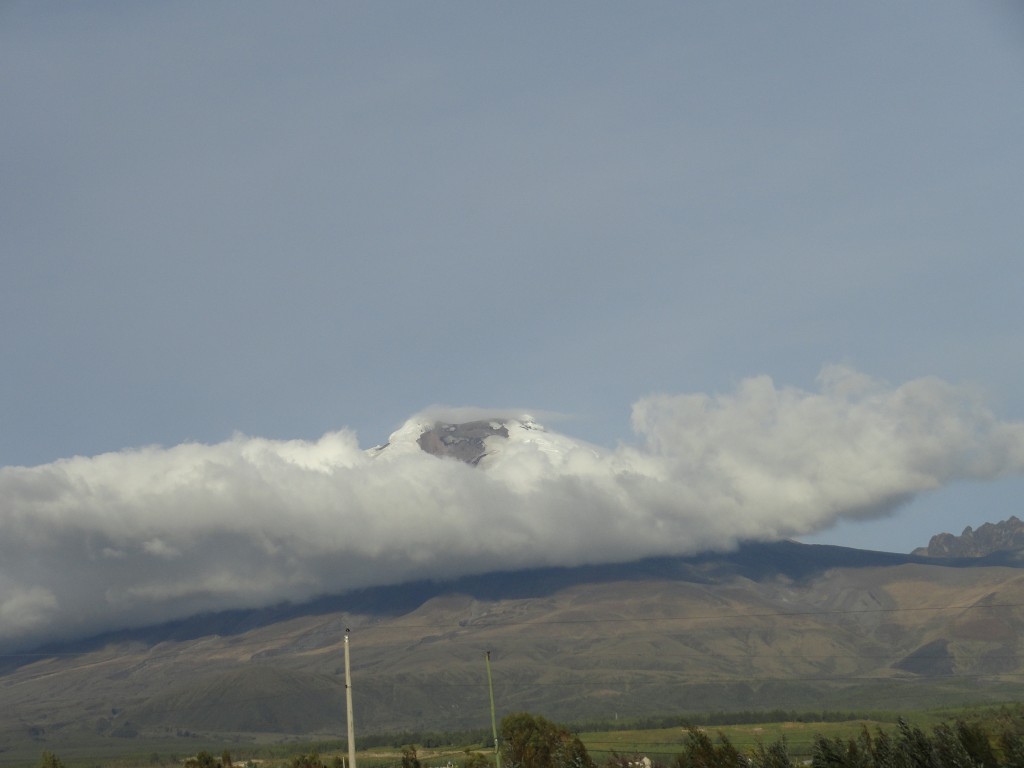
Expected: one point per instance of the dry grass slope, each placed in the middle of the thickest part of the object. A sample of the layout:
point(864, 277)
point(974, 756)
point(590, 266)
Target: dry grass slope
point(786, 625)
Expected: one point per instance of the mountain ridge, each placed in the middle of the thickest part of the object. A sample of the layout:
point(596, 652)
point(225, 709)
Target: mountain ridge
point(1004, 536)
point(771, 624)
point(751, 559)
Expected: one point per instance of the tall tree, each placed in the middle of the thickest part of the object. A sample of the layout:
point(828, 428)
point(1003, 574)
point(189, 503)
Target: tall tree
point(531, 741)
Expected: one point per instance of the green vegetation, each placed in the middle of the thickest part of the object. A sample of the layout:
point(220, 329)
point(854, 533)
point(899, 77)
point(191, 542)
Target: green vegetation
point(530, 741)
point(964, 738)
point(991, 737)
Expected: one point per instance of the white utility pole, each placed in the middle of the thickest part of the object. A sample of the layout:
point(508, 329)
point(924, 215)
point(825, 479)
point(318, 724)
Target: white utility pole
point(348, 708)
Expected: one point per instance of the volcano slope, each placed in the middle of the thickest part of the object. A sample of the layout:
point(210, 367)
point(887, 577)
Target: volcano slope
point(781, 625)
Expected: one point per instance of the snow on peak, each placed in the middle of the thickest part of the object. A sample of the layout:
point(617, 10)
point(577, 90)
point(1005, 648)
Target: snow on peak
point(478, 441)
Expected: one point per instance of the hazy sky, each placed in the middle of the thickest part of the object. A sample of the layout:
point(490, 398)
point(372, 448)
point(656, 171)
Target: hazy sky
point(285, 220)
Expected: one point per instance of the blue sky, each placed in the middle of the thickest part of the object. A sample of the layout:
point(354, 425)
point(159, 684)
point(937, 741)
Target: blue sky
point(289, 219)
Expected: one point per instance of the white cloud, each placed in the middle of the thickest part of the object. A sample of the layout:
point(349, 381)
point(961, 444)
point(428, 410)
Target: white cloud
point(25, 609)
point(160, 549)
point(146, 535)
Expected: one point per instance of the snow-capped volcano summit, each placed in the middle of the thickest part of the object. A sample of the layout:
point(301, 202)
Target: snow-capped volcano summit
point(466, 442)
point(479, 441)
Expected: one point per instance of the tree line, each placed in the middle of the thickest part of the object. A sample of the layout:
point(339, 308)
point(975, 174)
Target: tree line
point(531, 741)
point(959, 745)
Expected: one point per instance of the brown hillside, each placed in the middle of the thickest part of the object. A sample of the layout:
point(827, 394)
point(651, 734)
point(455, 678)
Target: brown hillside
point(760, 629)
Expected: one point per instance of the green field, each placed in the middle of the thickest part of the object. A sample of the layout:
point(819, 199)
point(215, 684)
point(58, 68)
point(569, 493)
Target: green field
point(660, 744)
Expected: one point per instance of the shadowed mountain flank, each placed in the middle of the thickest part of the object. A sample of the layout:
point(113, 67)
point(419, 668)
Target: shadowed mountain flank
point(755, 561)
point(932, 659)
point(770, 625)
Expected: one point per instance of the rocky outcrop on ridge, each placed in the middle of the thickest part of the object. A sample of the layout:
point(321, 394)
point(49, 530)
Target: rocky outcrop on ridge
point(1007, 535)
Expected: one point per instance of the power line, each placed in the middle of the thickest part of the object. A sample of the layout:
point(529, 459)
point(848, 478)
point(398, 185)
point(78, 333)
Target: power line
point(391, 627)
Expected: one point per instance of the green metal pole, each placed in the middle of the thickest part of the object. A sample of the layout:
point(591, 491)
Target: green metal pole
point(494, 722)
